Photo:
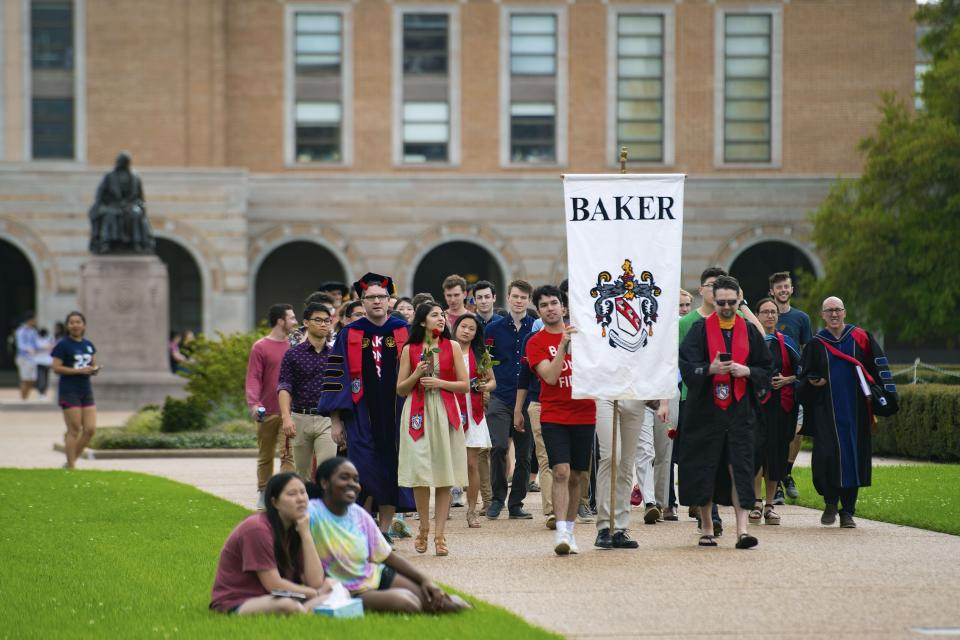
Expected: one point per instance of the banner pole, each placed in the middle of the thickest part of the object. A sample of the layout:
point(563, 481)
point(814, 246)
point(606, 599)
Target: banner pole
point(616, 415)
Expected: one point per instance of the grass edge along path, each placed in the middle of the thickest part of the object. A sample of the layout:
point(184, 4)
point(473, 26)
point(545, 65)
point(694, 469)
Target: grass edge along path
point(924, 496)
point(113, 553)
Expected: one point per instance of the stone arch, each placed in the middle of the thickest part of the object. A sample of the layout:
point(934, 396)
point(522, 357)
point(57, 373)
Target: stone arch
point(38, 255)
point(796, 252)
point(186, 285)
point(204, 254)
point(499, 248)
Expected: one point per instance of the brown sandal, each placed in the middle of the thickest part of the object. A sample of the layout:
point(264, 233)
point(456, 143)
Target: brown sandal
point(756, 513)
point(770, 516)
point(472, 520)
point(440, 544)
point(420, 542)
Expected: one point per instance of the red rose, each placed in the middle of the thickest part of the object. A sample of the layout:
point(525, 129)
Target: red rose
point(436, 333)
point(488, 342)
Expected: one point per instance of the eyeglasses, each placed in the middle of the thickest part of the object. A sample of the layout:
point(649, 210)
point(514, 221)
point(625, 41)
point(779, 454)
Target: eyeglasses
point(726, 303)
point(375, 298)
point(768, 312)
point(833, 311)
point(321, 320)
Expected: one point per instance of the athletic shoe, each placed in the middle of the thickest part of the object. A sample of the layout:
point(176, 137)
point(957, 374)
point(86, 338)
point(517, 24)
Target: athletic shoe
point(456, 497)
point(573, 545)
point(651, 514)
point(561, 545)
point(551, 522)
point(584, 516)
point(261, 505)
point(636, 497)
point(603, 541)
point(847, 521)
point(533, 487)
point(778, 496)
point(622, 540)
point(670, 515)
point(829, 516)
point(493, 512)
point(791, 488)
point(519, 514)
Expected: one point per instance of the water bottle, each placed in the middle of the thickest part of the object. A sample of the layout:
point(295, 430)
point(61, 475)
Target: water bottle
point(261, 412)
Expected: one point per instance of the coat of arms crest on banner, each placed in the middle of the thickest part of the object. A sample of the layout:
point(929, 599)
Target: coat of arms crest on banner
point(626, 308)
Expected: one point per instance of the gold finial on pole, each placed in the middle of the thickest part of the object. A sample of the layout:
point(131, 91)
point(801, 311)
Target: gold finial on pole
point(623, 159)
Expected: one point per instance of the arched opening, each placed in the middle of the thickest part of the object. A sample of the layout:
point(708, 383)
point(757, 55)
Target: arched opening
point(186, 286)
point(755, 264)
point(18, 294)
point(291, 272)
point(467, 259)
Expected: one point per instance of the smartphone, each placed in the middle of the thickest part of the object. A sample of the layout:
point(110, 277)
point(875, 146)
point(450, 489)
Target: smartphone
point(724, 356)
point(280, 593)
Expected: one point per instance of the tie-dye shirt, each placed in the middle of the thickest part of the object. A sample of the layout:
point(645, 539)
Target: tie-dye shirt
point(350, 546)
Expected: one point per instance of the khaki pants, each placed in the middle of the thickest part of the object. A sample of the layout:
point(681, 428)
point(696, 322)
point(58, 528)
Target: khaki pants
point(268, 436)
point(483, 467)
point(314, 438)
point(634, 418)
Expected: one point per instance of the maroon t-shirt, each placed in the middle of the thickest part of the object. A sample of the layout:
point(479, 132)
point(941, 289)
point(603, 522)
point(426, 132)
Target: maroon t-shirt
point(248, 549)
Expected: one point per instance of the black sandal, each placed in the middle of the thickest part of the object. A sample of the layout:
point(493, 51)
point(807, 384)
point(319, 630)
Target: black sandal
point(745, 541)
point(707, 541)
point(757, 512)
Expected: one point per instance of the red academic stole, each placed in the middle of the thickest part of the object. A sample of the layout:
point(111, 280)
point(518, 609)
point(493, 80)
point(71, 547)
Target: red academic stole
point(355, 357)
point(740, 353)
point(786, 392)
point(476, 399)
point(417, 397)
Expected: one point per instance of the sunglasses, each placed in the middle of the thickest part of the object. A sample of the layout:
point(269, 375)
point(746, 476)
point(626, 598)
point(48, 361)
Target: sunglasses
point(726, 303)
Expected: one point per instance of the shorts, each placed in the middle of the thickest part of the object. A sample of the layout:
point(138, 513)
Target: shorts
point(76, 400)
point(569, 444)
point(27, 369)
point(386, 578)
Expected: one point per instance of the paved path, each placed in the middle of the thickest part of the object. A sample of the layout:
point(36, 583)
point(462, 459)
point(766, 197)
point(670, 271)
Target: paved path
point(803, 581)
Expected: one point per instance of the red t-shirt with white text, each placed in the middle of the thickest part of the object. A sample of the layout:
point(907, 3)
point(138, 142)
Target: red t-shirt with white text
point(556, 404)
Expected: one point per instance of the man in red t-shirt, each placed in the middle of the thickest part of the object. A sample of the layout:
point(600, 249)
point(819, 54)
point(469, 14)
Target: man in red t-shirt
point(567, 425)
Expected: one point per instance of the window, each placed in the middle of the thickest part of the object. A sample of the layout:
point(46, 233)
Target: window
point(921, 66)
point(318, 104)
point(640, 86)
point(535, 84)
point(748, 90)
point(423, 45)
point(52, 80)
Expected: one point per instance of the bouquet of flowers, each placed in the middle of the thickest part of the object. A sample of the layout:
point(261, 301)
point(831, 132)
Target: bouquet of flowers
point(429, 348)
point(485, 363)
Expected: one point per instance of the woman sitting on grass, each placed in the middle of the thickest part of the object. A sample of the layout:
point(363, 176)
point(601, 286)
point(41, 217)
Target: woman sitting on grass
point(356, 554)
point(271, 551)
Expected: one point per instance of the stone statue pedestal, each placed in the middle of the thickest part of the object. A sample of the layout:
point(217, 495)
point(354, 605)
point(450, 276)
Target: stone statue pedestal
point(125, 299)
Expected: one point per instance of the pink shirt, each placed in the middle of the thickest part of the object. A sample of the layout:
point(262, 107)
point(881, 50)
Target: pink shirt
point(263, 373)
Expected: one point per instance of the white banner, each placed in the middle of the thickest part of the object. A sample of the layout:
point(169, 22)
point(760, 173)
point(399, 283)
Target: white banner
point(624, 234)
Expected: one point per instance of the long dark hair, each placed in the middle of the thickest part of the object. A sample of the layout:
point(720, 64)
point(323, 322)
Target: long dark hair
point(417, 331)
point(287, 546)
point(476, 345)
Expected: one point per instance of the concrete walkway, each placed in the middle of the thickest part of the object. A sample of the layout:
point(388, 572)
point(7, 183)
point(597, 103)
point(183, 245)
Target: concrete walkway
point(803, 581)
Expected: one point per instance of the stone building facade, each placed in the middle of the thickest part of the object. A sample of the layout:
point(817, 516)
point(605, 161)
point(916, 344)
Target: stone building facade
point(283, 143)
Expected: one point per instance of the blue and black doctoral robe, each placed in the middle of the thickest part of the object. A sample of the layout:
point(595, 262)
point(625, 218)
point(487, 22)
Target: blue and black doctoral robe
point(836, 415)
point(373, 424)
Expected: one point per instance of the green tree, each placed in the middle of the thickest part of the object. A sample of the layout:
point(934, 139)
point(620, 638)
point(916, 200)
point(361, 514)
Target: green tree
point(891, 238)
point(217, 369)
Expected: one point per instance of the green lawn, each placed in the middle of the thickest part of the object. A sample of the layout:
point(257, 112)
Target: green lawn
point(924, 496)
point(115, 554)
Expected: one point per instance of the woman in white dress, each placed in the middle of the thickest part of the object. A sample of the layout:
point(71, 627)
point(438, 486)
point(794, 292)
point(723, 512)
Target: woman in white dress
point(466, 331)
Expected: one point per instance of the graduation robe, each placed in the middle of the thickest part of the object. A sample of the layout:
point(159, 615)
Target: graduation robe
point(372, 425)
point(836, 415)
point(712, 438)
point(778, 427)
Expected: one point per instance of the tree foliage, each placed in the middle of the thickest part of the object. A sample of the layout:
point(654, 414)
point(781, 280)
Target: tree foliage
point(891, 238)
point(217, 369)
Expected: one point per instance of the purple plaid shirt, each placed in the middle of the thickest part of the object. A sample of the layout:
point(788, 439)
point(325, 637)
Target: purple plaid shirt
point(301, 374)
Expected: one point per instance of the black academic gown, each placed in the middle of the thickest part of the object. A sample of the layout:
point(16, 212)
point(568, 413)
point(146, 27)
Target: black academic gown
point(778, 427)
point(712, 438)
point(836, 415)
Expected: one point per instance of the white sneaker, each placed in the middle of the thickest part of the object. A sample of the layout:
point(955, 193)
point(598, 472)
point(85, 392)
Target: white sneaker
point(261, 505)
point(573, 545)
point(562, 546)
point(456, 497)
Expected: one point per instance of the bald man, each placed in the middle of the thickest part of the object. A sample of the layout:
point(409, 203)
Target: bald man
point(839, 413)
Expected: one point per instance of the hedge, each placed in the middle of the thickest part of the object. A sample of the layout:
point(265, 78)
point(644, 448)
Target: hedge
point(927, 425)
point(116, 439)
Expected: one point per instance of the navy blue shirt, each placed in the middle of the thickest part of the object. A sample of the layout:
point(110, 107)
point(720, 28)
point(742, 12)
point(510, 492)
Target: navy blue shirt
point(796, 324)
point(508, 350)
point(74, 354)
point(527, 379)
